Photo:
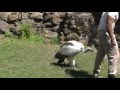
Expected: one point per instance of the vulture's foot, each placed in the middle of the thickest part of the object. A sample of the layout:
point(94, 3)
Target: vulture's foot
point(77, 66)
point(60, 61)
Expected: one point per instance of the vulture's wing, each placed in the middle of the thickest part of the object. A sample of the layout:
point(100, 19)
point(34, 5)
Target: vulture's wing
point(68, 49)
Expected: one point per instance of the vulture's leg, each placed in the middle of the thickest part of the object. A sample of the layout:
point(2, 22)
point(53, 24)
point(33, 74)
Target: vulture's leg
point(71, 61)
point(60, 60)
point(60, 57)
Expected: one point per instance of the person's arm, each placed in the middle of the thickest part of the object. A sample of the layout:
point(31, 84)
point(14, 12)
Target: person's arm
point(110, 21)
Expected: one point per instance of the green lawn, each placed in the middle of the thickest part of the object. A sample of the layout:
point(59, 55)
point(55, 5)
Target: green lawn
point(25, 59)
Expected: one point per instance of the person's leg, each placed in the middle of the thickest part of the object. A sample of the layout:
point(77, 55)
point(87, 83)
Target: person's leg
point(61, 60)
point(113, 56)
point(99, 57)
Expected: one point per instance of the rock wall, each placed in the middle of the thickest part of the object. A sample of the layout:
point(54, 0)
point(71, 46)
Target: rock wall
point(49, 24)
point(64, 25)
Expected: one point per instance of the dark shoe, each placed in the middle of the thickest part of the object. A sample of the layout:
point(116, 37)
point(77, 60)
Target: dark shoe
point(111, 76)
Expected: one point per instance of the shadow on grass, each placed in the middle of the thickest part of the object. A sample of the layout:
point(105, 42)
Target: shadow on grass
point(78, 74)
point(72, 72)
point(61, 65)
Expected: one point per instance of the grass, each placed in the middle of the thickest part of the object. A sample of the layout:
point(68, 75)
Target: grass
point(27, 59)
point(54, 40)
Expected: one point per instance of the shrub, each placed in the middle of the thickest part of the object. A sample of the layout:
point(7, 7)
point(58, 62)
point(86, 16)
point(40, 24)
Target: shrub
point(8, 34)
point(25, 30)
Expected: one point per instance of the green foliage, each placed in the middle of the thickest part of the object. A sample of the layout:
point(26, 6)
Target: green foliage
point(8, 34)
point(25, 30)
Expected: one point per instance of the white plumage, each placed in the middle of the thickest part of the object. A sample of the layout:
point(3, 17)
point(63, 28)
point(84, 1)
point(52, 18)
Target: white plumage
point(69, 50)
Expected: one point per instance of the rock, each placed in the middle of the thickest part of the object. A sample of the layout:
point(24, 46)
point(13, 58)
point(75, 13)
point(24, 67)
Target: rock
point(37, 25)
point(45, 31)
point(52, 35)
point(66, 31)
point(4, 15)
point(62, 38)
point(39, 30)
point(3, 27)
point(62, 15)
point(14, 30)
point(56, 19)
point(29, 21)
point(25, 15)
point(67, 25)
point(54, 29)
point(85, 20)
point(13, 17)
point(77, 22)
point(48, 25)
point(47, 16)
point(72, 36)
point(36, 16)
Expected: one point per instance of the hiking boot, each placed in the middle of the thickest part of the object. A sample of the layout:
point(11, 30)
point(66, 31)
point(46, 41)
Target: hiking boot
point(111, 76)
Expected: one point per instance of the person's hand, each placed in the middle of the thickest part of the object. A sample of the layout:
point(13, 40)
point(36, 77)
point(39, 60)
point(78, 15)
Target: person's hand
point(113, 42)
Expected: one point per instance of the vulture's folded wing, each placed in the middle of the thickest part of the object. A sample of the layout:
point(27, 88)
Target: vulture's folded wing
point(68, 50)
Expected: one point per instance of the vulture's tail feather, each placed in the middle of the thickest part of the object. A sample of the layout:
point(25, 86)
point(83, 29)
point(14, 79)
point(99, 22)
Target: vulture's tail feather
point(60, 56)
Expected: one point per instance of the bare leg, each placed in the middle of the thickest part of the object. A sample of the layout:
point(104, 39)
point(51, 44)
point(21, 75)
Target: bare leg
point(71, 61)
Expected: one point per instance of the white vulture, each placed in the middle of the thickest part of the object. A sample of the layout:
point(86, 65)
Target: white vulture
point(69, 50)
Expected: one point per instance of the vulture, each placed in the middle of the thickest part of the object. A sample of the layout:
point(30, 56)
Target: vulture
point(69, 50)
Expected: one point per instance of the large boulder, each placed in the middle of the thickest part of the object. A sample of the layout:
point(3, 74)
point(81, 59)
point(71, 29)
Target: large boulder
point(36, 16)
point(80, 23)
point(4, 15)
point(14, 17)
point(3, 27)
point(56, 19)
point(47, 16)
point(48, 34)
point(25, 15)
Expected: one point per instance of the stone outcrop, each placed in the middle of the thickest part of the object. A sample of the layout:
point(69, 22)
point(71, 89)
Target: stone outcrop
point(64, 25)
point(45, 22)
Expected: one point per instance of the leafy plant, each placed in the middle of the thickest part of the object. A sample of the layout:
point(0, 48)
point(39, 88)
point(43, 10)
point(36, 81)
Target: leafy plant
point(8, 34)
point(25, 30)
